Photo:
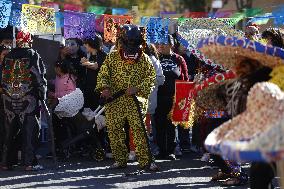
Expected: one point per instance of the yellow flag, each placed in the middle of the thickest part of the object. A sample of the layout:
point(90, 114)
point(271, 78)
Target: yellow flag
point(37, 19)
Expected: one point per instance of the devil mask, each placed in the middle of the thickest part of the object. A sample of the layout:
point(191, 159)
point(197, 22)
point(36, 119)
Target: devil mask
point(130, 42)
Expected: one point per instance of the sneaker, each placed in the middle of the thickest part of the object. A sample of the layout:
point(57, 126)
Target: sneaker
point(194, 149)
point(132, 156)
point(117, 166)
point(109, 155)
point(5, 168)
point(205, 157)
point(151, 167)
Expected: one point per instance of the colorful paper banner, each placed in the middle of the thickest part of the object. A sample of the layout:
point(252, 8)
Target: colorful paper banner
point(119, 11)
point(111, 24)
point(279, 21)
point(79, 25)
point(15, 17)
point(195, 29)
point(196, 15)
point(59, 17)
point(37, 19)
point(253, 12)
point(53, 5)
point(167, 12)
point(278, 15)
point(223, 14)
point(239, 15)
point(71, 7)
point(260, 20)
point(5, 11)
point(186, 24)
point(99, 23)
point(156, 29)
point(97, 9)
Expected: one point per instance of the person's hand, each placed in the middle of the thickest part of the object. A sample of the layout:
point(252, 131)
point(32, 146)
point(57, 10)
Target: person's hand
point(131, 91)
point(93, 66)
point(106, 93)
point(84, 60)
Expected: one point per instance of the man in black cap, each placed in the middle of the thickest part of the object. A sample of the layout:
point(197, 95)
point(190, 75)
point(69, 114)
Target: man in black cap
point(174, 68)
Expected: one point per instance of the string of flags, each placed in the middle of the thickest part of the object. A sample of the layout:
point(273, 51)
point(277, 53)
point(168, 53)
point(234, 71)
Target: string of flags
point(36, 19)
point(39, 19)
point(5, 10)
point(156, 29)
point(79, 25)
point(111, 24)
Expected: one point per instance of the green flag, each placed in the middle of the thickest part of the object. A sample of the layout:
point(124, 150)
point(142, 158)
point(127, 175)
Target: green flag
point(239, 15)
point(97, 9)
point(253, 12)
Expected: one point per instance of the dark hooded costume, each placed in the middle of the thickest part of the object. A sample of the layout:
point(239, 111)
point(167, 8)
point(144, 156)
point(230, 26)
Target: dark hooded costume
point(24, 87)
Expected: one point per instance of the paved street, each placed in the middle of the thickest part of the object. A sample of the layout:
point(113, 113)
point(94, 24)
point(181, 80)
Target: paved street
point(188, 172)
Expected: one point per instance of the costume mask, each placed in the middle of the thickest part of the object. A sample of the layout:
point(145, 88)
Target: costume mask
point(130, 42)
point(23, 39)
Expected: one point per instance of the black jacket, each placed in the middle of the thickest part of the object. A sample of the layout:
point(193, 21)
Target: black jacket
point(91, 75)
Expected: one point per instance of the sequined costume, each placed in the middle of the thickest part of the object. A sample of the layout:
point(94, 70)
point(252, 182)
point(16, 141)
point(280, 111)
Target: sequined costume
point(118, 75)
point(24, 85)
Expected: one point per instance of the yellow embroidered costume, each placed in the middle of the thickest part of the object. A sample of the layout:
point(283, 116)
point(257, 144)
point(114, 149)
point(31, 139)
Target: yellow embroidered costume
point(116, 74)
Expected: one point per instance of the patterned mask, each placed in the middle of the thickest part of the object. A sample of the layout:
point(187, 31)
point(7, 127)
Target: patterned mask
point(130, 42)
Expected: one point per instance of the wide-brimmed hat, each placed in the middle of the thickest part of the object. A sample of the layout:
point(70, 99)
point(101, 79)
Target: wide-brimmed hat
point(256, 132)
point(228, 51)
point(208, 98)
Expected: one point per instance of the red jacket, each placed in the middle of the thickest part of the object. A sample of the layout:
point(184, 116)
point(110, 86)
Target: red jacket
point(182, 67)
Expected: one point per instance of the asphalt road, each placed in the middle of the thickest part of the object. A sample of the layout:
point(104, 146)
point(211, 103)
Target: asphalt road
point(187, 172)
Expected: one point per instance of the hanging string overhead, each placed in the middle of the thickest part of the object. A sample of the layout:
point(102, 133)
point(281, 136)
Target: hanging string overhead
point(5, 10)
point(79, 25)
